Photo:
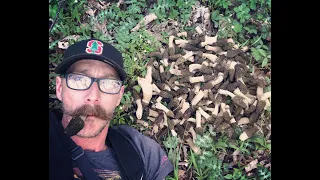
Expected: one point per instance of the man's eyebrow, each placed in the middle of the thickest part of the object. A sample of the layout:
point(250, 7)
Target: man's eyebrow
point(110, 76)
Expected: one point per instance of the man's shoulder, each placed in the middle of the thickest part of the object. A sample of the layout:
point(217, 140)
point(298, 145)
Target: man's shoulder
point(129, 131)
point(134, 134)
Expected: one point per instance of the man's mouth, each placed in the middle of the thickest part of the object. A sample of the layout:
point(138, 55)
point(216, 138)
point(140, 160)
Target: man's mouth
point(83, 117)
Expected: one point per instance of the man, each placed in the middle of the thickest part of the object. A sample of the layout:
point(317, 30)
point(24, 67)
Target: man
point(90, 85)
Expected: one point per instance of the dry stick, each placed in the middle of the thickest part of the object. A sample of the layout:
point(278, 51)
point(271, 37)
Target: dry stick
point(146, 20)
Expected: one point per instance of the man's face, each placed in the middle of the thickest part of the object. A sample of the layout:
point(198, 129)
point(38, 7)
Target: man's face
point(93, 103)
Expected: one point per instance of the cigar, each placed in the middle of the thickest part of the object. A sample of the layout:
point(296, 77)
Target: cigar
point(75, 125)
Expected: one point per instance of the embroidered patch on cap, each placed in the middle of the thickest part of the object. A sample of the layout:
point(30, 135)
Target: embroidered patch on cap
point(94, 47)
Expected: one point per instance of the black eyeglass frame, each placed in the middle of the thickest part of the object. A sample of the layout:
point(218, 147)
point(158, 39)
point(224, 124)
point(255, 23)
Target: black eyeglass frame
point(92, 81)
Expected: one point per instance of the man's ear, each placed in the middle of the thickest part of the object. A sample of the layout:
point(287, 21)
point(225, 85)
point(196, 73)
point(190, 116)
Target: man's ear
point(59, 88)
point(120, 95)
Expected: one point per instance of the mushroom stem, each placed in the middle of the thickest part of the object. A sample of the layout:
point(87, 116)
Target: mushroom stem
point(180, 41)
point(205, 115)
point(137, 98)
point(153, 113)
point(211, 57)
point(248, 133)
point(197, 98)
point(148, 76)
point(198, 119)
point(193, 67)
point(215, 49)
point(239, 93)
point(199, 31)
point(155, 88)
point(193, 146)
point(171, 46)
point(146, 89)
point(182, 34)
point(145, 124)
point(182, 59)
point(203, 78)
point(174, 69)
point(212, 83)
point(160, 106)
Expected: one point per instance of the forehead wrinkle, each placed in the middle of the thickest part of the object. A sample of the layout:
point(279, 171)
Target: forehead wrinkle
point(82, 68)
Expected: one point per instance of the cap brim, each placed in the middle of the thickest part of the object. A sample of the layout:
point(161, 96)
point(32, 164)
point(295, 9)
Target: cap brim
point(66, 63)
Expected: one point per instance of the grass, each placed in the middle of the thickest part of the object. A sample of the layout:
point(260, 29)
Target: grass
point(247, 22)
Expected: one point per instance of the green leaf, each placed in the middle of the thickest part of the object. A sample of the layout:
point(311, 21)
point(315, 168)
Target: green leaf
point(253, 5)
point(237, 27)
point(269, 144)
point(262, 52)
point(265, 47)
point(233, 146)
point(173, 14)
point(228, 176)
point(264, 62)
point(215, 15)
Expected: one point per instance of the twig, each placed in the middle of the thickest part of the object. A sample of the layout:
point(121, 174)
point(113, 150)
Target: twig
point(57, 15)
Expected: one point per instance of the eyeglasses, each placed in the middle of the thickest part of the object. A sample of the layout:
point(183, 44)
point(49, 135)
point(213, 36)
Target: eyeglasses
point(83, 82)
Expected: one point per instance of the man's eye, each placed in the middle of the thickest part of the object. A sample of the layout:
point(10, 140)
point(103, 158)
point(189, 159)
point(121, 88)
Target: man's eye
point(77, 78)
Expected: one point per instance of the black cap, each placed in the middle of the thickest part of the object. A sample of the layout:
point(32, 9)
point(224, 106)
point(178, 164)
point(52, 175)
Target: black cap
point(92, 49)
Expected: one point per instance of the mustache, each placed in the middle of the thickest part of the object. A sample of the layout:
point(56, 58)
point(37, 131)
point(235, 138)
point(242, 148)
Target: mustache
point(95, 110)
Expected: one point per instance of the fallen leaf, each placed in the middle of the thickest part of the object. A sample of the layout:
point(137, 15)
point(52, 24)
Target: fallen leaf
point(181, 173)
point(73, 37)
point(251, 165)
point(101, 5)
point(91, 12)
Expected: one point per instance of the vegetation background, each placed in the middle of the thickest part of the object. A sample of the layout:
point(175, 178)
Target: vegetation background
point(247, 22)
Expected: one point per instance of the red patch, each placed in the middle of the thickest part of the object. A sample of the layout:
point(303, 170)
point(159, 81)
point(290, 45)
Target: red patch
point(94, 47)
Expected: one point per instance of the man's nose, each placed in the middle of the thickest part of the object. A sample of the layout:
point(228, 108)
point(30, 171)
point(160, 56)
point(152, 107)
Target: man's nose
point(93, 96)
